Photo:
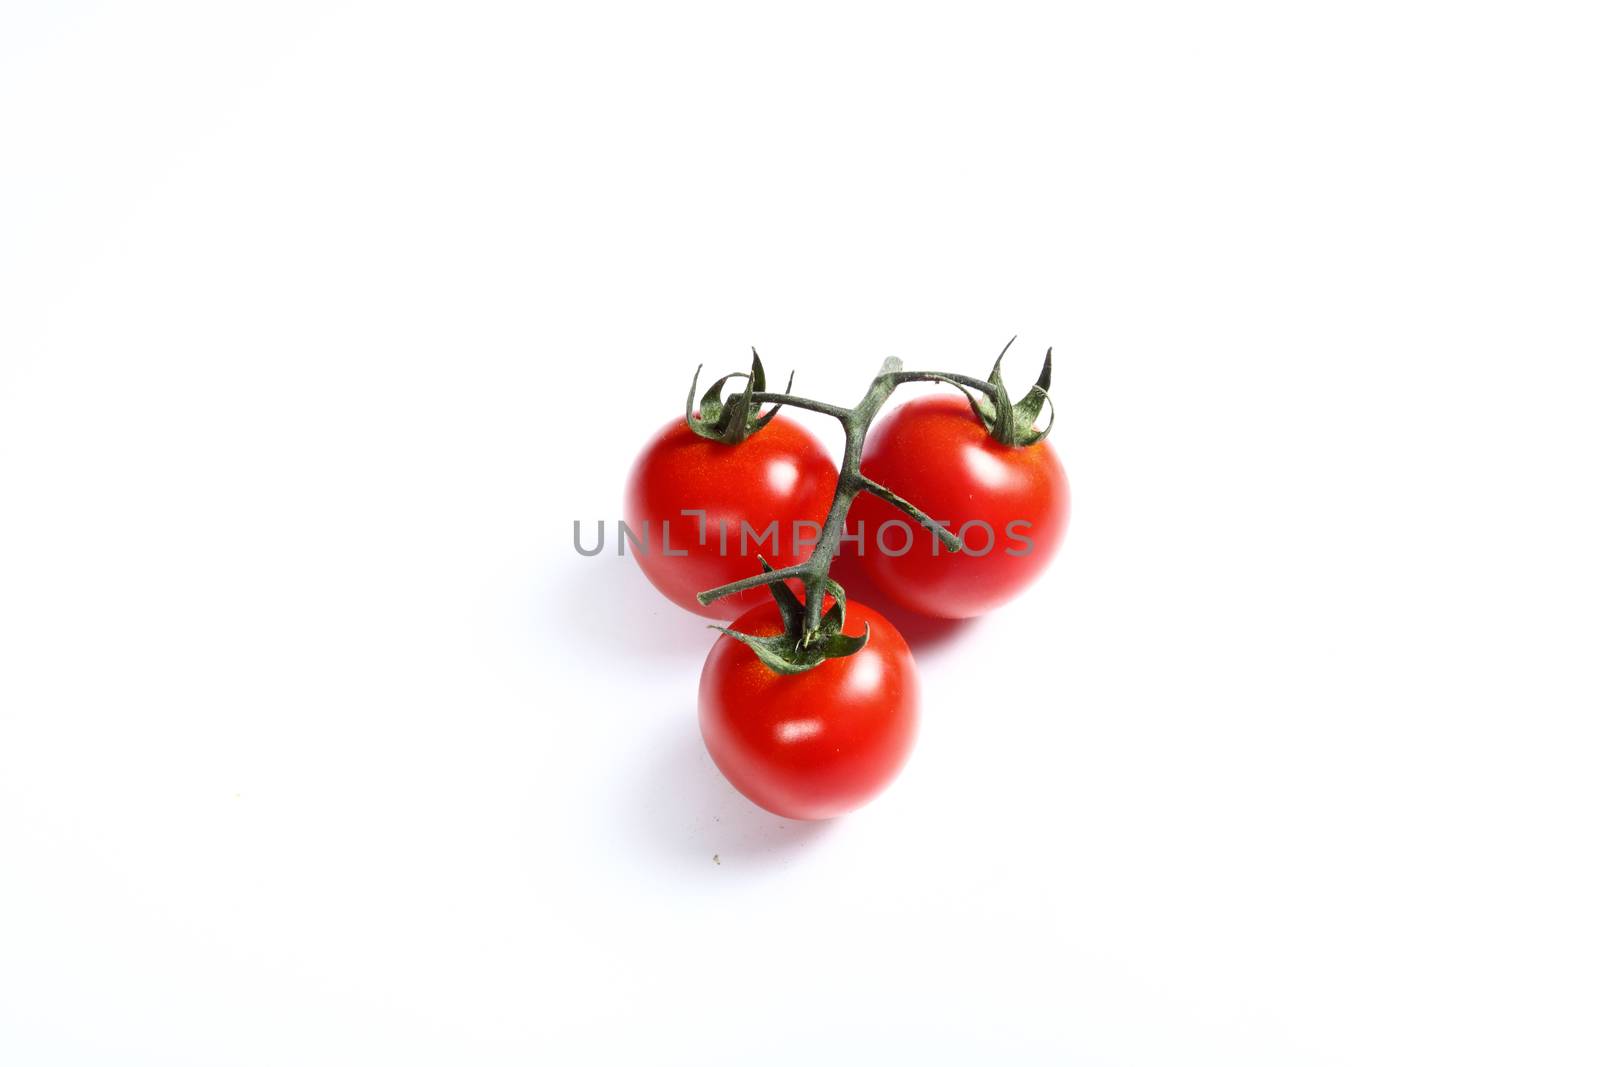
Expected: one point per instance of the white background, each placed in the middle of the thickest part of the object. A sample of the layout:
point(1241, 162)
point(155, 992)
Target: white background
point(320, 323)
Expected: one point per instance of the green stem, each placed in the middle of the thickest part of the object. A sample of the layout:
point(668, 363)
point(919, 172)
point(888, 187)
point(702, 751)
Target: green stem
point(813, 573)
point(939, 530)
point(766, 578)
point(966, 381)
point(788, 401)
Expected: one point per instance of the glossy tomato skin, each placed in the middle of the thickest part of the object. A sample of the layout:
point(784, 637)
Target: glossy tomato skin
point(817, 744)
point(779, 473)
point(934, 452)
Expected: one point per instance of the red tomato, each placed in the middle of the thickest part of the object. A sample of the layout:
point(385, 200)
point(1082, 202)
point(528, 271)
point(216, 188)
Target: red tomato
point(816, 744)
point(1013, 503)
point(778, 474)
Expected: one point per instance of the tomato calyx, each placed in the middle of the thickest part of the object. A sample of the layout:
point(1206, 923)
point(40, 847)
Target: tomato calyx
point(738, 417)
point(799, 648)
point(1012, 424)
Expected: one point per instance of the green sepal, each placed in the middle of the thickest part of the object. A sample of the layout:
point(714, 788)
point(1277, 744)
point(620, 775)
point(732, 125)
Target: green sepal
point(794, 651)
point(833, 618)
point(772, 413)
point(789, 607)
point(1012, 424)
point(735, 419)
point(1028, 408)
point(781, 654)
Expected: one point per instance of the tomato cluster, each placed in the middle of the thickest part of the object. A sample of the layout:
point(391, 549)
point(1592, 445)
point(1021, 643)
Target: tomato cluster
point(818, 739)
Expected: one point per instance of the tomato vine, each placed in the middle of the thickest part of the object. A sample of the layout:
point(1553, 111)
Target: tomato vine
point(813, 635)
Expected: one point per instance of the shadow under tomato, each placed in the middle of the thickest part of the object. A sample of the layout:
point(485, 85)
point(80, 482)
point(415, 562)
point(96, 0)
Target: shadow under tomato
point(685, 812)
point(606, 599)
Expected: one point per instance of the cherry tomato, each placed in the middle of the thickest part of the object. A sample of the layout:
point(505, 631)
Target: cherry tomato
point(819, 743)
point(1009, 505)
point(779, 474)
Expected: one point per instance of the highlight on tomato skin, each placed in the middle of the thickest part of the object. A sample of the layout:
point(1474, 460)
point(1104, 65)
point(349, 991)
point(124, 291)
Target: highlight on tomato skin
point(820, 743)
point(934, 451)
point(780, 473)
